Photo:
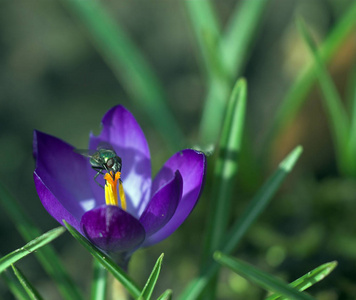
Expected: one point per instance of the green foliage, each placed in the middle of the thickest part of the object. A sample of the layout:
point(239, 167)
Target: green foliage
point(167, 295)
point(30, 247)
point(106, 262)
point(14, 286)
point(152, 280)
point(27, 286)
point(240, 226)
point(99, 283)
point(296, 95)
point(309, 279)
point(338, 119)
point(225, 46)
point(226, 167)
point(46, 256)
point(224, 55)
point(128, 64)
point(263, 279)
point(225, 172)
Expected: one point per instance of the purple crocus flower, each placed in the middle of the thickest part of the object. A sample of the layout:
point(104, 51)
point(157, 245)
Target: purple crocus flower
point(147, 212)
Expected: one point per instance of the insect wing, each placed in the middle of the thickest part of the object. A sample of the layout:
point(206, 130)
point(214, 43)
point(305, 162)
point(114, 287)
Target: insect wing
point(86, 152)
point(105, 146)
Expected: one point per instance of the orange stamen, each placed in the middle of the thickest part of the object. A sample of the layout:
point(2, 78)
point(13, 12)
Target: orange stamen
point(111, 196)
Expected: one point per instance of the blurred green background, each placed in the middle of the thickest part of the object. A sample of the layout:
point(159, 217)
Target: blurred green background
point(53, 79)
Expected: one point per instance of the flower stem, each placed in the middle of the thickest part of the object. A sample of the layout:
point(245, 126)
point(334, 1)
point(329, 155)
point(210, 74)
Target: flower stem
point(99, 284)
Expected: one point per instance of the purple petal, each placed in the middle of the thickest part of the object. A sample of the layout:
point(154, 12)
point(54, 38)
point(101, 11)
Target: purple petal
point(53, 206)
point(112, 229)
point(61, 179)
point(191, 165)
point(162, 205)
point(121, 130)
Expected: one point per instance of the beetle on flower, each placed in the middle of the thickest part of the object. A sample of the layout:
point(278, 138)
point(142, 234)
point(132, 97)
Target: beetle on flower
point(122, 217)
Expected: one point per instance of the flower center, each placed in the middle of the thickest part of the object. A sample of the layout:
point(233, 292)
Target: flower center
point(111, 196)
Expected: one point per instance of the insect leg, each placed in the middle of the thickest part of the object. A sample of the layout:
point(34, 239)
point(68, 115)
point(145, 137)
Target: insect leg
point(100, 171)
point(108, 171)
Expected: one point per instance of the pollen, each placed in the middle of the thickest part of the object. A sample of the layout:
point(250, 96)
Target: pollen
point(111, 190)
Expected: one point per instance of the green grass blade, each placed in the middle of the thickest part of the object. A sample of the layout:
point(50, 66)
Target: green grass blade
point(28, 287)
point(352, 137)
point(240, 227)
point(99, 282)
point(197, 285)
point(338, 119)
point(167, 295)
point(106, 262)
point(260, 201)
point(296, 94)
point(151, 282)
point(46, 256)
point(129, 66)
point(14, 286)
point(227, 61)
point(262, 279)
point(37, 243)
point(226, 168)
point(309, 279)
point(239, 35)
point(207, 32)
point(224, 175)
point(215, 105)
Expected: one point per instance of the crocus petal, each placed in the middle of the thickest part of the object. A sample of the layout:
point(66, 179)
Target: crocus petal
point(61, 179)
point(192, 166)
point(53, 206)
point(112, 229)
point(162, 205)
point(121, 130)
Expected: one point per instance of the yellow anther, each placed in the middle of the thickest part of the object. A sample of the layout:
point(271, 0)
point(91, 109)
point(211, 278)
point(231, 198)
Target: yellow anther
point(111, 196)
point(122, 195)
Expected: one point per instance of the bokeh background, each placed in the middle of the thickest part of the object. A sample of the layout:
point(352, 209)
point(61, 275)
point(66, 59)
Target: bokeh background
point(52, 78)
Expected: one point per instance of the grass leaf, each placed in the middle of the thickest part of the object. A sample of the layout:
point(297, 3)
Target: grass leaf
point(226, 168)
point(37, 243)
point(99, 282)
point(296, 94)
point(206, 27)
point(338, 119)
point(167, 295)
point(28, 287)
point(262, 279)
point(224, 174)
point(352, 137)
point(208, 35)
point(14, 285)
point(260, 201)
point(129, 66)
point(309, 279)
point(151, 282)
point(240, 32)
point(240, 227)
point(230, 53)
point(106, 262)
point(47, 255)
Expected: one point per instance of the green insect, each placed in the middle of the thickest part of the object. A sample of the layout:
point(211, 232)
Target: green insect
point(104, 158)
